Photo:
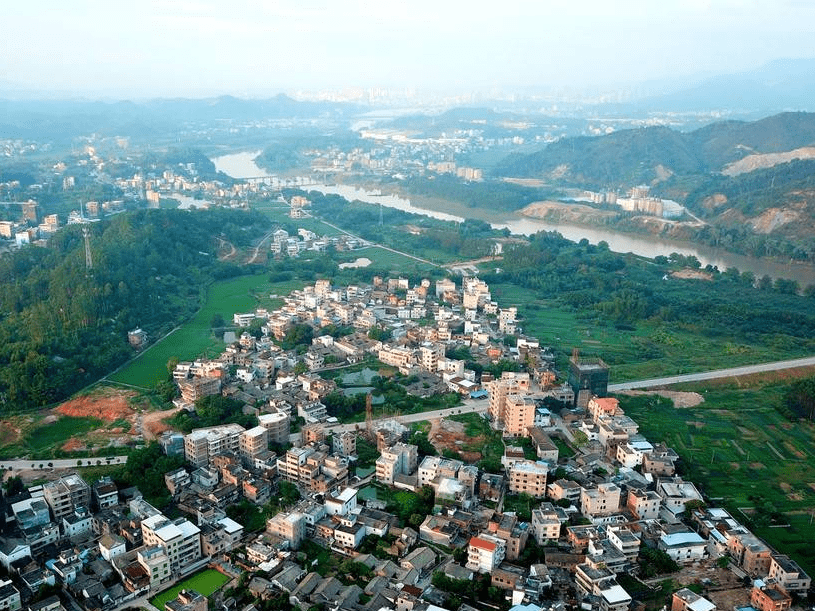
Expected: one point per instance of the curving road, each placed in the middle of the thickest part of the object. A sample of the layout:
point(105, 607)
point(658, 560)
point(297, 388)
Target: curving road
point(714, 375)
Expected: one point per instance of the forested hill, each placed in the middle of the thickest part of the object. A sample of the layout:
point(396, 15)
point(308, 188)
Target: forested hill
point(62, 326)
point(650, 154)
point(751, 182)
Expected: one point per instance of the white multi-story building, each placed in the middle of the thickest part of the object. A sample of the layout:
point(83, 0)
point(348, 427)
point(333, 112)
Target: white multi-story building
point(644, 504)
point(202, 444)
point(401, 458)
point(180, 539)
point(545, 525)
point(66, 494)
point(485, 552)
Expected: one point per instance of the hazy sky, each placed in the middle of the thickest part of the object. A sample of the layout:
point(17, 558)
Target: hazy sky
point(256, 47)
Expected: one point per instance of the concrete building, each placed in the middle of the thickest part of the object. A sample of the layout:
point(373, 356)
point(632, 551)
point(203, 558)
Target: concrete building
point(9, 596)
point(291, 527)
point(683, 547)
point(187, 600)
point(253, 443)
point(277, 425)
point(788, 575)
point(180, 539)
point(644, 504)
point(485, 552)
point(588, 378)
point(510, 383)
point(401, 458)
point(66, 494)
point(518, 415)
point(202, 444)
point(688, 600)
point(528, 477)
point(546, 525)
point(750, 553)
point(601, 501)
point(105, 493)
point(344, 444)
point(768, 598)
point(197, 388)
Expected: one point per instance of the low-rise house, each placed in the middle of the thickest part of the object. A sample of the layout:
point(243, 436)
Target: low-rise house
point(111, 546)
point(545, 448)
point(9, 596)
point(105, 493)
point(421, 559)
point(688, 600)
point(187, 600)
point(77, 523)
point(683, 547)
point(769, 598)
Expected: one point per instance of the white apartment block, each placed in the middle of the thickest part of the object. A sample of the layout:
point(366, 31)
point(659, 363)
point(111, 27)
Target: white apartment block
point(401, 458)
point(180, 539)
point(485, 552)
point(545, 526)
point(202, 444)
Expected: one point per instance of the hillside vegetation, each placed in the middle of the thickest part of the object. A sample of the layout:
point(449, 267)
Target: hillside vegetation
point(62, 326)
point(695, 169)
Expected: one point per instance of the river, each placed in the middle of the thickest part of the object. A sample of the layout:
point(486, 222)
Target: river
point(242, 165)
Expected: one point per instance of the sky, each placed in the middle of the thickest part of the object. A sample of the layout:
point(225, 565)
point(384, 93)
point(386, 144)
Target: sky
point(146, 49)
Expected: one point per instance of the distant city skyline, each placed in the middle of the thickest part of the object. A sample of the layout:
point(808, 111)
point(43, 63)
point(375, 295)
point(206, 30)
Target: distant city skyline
point(253, 48)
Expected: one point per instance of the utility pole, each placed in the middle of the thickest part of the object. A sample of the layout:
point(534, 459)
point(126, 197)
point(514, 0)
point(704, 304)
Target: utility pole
point(88, 257)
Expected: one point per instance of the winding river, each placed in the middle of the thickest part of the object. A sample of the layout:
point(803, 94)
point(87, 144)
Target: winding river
point(242, 165)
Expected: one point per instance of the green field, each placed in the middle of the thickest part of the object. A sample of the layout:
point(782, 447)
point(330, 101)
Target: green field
point(648, 351)
point(195, 338)
point(206, 582)
point(57, 433)
point(743, 454)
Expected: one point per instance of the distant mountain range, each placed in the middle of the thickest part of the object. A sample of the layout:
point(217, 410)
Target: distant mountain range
point(784, 84)
point(60, 120)
point(759, 174)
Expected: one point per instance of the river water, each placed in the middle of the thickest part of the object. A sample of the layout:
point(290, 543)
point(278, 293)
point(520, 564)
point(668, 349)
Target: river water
point(242, 165)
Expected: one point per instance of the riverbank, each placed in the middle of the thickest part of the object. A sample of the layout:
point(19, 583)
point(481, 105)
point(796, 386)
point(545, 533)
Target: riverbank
point(394, 195)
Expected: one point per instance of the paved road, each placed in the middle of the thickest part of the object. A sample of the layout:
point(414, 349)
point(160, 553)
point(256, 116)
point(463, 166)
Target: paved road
point(713, 375)
point(47, 464)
